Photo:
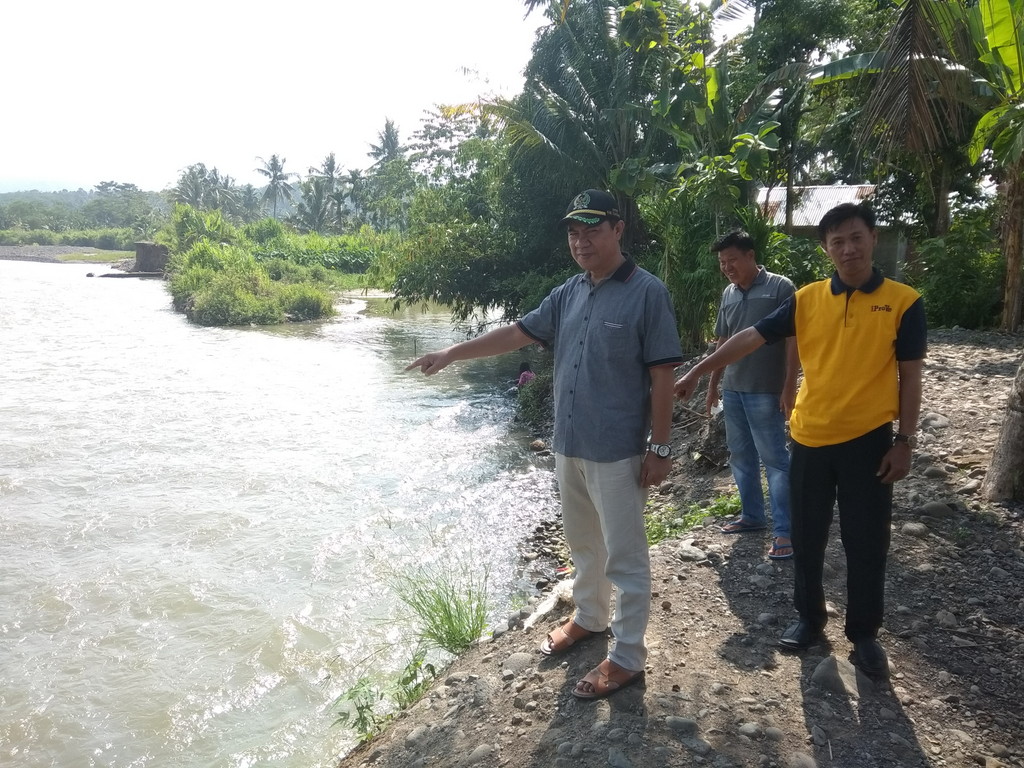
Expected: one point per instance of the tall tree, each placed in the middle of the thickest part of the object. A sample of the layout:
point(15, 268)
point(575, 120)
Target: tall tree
point(1005, 477)
point(329, 171)
point(996, 33)
point(947, 69)
point(191, 187)
point(249, 204)
point(585, 114)
point(786, 38)
point(387, 187)
point(278, 185)
point(389, 146)
point(313, 211)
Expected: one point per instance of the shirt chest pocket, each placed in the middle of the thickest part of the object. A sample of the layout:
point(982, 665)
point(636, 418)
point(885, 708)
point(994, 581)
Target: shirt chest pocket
point(612, 339)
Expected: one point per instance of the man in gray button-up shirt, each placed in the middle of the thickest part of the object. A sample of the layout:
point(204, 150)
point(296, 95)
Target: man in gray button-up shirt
point(757, 392)
point(615, 343)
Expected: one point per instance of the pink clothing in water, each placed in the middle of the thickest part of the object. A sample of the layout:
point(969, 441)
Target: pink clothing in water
point(525, 377)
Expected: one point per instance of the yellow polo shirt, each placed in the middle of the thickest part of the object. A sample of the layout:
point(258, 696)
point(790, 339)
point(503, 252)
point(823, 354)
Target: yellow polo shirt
point(850, 341)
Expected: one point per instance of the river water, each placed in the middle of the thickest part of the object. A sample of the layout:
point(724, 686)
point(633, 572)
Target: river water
point(197, 525)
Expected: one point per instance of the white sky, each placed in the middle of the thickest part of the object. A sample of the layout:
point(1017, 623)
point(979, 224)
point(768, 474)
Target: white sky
point(134, 91)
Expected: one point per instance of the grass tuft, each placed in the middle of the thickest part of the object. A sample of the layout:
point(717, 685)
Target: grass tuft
point(450, 602)
point(668, 523)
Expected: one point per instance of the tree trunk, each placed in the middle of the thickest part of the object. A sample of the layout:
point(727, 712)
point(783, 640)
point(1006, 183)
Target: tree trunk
point(941, 225)
point(1013, 247)
point(790, 196)
point(1005, 478)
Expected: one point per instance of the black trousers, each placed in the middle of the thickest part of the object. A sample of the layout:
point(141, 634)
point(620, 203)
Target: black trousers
point(819, 477)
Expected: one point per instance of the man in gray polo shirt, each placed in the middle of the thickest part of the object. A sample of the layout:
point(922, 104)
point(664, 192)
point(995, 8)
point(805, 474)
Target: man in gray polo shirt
point(757, 392)
point(615, 342)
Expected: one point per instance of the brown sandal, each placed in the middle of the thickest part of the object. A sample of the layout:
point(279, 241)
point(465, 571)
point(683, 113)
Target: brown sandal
point(559, 640)
point(602, 683)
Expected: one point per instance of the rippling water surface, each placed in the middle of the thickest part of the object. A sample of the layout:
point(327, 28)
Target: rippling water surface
point(194, 523)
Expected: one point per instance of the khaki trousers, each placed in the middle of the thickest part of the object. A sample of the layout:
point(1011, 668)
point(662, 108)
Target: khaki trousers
point(602, 511)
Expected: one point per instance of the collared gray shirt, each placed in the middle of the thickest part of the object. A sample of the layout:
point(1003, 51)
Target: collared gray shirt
point(605, 338)
point(765, 369)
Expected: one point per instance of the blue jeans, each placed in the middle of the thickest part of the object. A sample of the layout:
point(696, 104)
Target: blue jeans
point(755, 431)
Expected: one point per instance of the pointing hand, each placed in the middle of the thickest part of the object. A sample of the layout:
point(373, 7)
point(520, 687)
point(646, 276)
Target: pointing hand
point(430, 363)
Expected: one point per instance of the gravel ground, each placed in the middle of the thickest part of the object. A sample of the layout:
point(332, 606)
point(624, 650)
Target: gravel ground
point(718, 690)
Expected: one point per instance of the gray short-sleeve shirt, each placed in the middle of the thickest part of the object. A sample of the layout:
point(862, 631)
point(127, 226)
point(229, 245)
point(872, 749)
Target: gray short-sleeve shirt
point(605, 338)
point(765, 369)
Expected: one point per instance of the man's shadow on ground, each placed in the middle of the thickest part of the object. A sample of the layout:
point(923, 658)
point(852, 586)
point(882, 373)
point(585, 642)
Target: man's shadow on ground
point(844, 709)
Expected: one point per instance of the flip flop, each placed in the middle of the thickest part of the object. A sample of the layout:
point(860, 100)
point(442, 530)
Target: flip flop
point(739, 525)
point(776, 552)
point(566, 641)
point(603, 684)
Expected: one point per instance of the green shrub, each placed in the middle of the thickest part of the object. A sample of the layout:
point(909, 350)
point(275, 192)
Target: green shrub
point(284, 271)
point(359, 709)
point(108, 241)
point(215, 256)
point(263, 231)
point(217, 284)
point(960, 275)
point(44, 237)
point(302, 301)
point(798, 258)
point(235, 298)
point(535, 402)
point(367, 707)
point(186, 283)
point(189, 226)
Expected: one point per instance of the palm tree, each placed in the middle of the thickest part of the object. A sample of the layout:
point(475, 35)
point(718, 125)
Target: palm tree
point(277, 181)
point(313, 211)
point(586, 115)
point(329, 171)
point(390, 147)
point(191, 187)
point(220, 193)
point(249, 203)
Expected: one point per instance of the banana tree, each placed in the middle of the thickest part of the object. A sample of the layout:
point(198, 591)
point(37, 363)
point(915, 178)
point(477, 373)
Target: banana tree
point(997, 29)
point(997, 32)
point(948, 77)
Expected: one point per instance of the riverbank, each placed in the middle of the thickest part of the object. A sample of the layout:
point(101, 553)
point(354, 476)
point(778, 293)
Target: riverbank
point(718, 690)
point(44, 253)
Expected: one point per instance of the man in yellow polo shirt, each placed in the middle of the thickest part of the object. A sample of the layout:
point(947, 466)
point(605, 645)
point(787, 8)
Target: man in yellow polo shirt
point(862, 341)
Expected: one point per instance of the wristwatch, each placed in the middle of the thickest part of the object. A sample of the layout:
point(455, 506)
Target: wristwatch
point(910, 440)
point(661, 450)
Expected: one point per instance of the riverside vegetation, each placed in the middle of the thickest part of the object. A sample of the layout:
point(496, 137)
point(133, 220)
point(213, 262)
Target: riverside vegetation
point(258, 273)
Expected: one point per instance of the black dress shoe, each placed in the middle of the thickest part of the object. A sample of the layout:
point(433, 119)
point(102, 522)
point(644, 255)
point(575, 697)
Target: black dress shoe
point(800, 635)
point(870, 657)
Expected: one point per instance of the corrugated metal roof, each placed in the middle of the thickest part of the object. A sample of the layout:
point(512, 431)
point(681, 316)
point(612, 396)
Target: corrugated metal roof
point(812, 202)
